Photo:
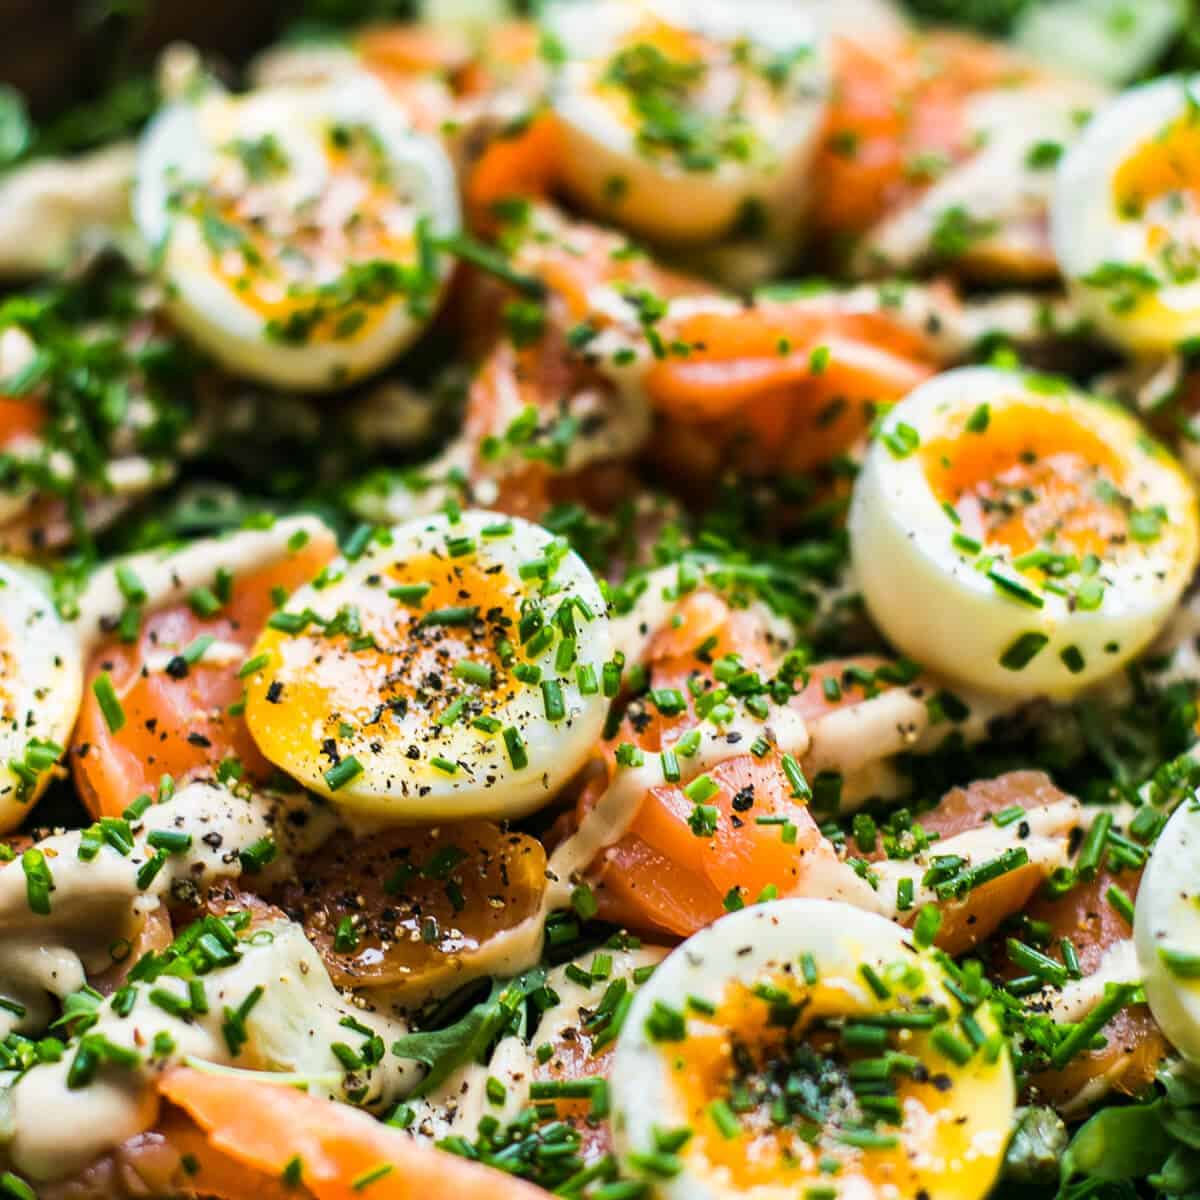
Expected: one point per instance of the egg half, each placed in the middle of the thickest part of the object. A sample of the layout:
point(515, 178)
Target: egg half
point(41, 685)
point(808, 1047)
point(685, 121)
point(1126, 216)
point(1166, 930)
point(295, 227)
point(1017, 536)
point(453, 670)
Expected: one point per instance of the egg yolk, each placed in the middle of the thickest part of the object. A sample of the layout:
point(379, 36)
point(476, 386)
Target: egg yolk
point(322, 267)
point(786, 1084)
point(406, 907)
point(390, 666)
point(1159, 185)
point(1032, 479)
point(1167, 164)
point(690, 98)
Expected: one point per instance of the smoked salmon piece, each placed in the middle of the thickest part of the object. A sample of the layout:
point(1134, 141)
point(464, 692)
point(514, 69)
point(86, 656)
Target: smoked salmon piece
point(177, 718)
point(263, 1127)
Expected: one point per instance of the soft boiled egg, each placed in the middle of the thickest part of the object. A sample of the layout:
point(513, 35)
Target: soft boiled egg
point(454, 669)
point(686, 120)
point(1017, 536)
point(1166, 930)
point(41, 684)
point(807, 1047)
point(1126, 216)
point(296, 227)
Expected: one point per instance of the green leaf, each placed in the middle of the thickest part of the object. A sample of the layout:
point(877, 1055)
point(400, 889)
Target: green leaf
point(1180, 1174)
point(1183, 1125)
point(1119, 1143)
point(443, 1051)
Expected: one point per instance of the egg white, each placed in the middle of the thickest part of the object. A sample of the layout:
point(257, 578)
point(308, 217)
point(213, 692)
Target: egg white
point(1167, 918)
point(931, 597)
point(654, 194)
point(312, 685)
point(1102, 251)
point(189, 146)
point(41, 685)
point(765, 944)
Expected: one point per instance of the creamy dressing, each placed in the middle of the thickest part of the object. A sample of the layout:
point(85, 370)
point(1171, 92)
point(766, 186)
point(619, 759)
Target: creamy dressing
point(610, 818)
point(48, 207)
point(167, 578)
point(97, 906)
point(1047, 843)
point(1078, 997)
point(290, 1029)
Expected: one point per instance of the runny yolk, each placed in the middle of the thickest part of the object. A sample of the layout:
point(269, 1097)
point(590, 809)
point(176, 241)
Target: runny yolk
point(1032, 479)
point(392, 674)
point(1165, 165)
point(792, 1088)
point(278, 263)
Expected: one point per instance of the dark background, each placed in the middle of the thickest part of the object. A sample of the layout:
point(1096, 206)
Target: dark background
point(56, 51)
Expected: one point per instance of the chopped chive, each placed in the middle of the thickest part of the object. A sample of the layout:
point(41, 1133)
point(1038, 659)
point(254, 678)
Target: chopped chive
point(257, 855)
point(723, 1118)
point(1092, 851)
point(867, 1139)
point(552, 700)
point(39, 883)
point(110, 705)
point(874, 982)
point(203, 602)
point(148, 871)
point(1071, 958)
point(455, 614)
point(1072, 658)
point(927, 925)
point(1036, 963)
point(473, 672)
point(1116, 997)
point(1016, 589)
point(1023, 650)
point(1120, 900)
point(253, 665)
point(701, 789)
point(979, 419)
point(197, 648)
point(410, 593)
point(670, 766)
point(517, 754)
point(358, 541)
point(795, 777)
point(951, 1045)
point(173, 841)
point(341, 773)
